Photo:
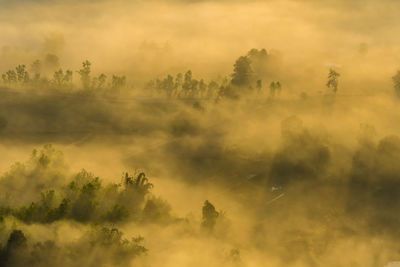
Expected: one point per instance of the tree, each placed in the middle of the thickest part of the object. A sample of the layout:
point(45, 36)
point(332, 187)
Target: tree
point(187, 83)
point(16, 240)
point(10, 77)
point(15, 252)
point(22, 74)
point(396, 83)
point(210, 216)
point(178, 83)
point(168, 85)
point(36, 69)
point(140, 184)
point(118, 81)
point(333, 80)
point(259, 61)
point(60, 78)
point(85, 74)
point(242, 72)
point(101, 80)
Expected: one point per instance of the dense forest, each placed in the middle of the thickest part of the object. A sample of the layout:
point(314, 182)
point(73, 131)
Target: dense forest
point(211, 134)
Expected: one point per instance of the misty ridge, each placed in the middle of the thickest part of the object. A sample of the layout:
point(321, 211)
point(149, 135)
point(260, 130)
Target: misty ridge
point(199, 133)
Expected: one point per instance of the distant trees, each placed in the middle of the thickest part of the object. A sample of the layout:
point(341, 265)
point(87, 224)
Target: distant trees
point(9, 77)
point(184, 86)
point(275, 89)
point(85, 199)
point(19, 75)
point(22, 74)
point(99, 244)
point(118, 82)
point(100, 81)
point(333, 81)
point(61, 79)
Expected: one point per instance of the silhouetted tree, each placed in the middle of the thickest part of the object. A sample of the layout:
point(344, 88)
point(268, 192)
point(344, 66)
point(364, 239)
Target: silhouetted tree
point(22, 74)
point(187, 83)
point(10, 77)
point(242, 72)
point(118, 82)
point(210, 216)
point(178, 83)
point(99, 82)
point(14, 254)
point(85, 74)
point(333, 80)
point(60, 78)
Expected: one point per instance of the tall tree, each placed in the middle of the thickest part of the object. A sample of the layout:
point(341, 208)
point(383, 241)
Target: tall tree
point(210, 216)
point(333, 81)
point(85, 74)
point(242, 72)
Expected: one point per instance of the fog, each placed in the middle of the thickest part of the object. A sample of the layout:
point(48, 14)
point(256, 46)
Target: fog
point(192, 133)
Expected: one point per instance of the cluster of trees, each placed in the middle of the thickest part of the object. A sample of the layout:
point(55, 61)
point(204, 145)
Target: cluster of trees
point(85, 199)
point(185, 86)
point(100, 245)
point(20, 76)
point(50, 195)
point(248, 73)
